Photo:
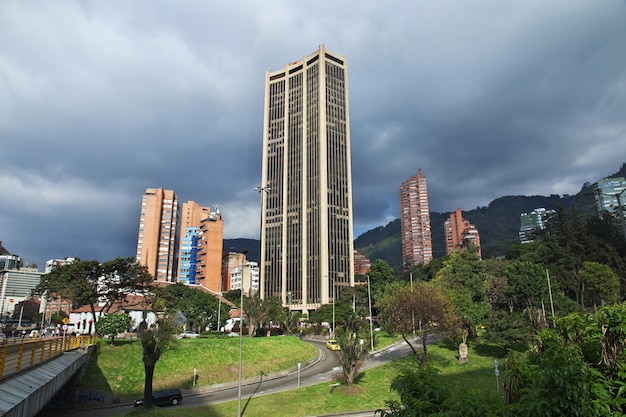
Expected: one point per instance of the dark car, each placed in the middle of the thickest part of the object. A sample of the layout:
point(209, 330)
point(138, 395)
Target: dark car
point(164, 397)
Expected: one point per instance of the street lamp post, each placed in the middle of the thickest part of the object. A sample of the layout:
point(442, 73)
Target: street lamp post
point(219, 307)
point(369, 297)
point(262, 271)
point(412, 312)
point(245, 252)
point(333, 329)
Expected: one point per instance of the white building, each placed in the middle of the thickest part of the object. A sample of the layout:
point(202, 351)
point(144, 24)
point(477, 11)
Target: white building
point(50, 263)
point(250, 277)
point(16, 286)
point(82, 319)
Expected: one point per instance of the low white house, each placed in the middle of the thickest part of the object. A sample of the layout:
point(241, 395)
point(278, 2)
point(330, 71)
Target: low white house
point(82, 320)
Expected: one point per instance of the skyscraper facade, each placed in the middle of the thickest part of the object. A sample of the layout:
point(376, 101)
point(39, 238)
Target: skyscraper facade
point(210, 246)
point(458, 231)
point(609, 194)
point(532, 223)
point(200, 254)
point(417, 245)
point(306, 224)
point(158, 233)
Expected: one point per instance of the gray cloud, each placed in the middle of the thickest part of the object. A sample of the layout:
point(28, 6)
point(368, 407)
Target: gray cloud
point(102, 100)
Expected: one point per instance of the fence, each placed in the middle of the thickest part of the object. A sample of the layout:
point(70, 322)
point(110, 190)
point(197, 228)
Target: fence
point(19, 354)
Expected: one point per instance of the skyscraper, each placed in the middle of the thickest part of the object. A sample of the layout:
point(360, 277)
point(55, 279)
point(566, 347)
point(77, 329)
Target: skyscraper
point(210, 245)
point(306, 224)
point(158, 233)
point(200, 254)
point(533, 222)
point(609, 194)
point(458, 230)
point(417, 245)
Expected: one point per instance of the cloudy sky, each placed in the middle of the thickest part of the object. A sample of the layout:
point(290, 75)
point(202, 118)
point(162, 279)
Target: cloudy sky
point(100, 100)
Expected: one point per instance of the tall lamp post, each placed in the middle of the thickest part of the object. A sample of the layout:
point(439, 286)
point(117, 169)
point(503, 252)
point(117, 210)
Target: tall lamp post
point(245, 252)
point(219, 308)
point(333, 333)
point(369, 297)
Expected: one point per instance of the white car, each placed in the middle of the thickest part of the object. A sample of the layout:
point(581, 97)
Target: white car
point(189, 335)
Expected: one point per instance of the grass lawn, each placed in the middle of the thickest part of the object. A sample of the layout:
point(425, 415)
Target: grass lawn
point(369, 393)
point(119, 368)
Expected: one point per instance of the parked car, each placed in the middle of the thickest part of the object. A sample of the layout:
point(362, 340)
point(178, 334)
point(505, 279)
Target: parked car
point(189, 335)
point(164, 397)
point(333, 345)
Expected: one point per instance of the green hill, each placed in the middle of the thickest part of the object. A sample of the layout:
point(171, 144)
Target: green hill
point(498, 224)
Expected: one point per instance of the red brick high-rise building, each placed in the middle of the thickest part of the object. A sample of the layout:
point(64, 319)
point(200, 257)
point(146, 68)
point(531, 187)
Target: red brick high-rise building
point(417, 246)
point(457, 230)
point(362, 264)
point(158, 234)
point(200, 247)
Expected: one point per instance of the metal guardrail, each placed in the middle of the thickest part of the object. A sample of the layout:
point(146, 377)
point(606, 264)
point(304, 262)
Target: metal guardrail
point(19, 354)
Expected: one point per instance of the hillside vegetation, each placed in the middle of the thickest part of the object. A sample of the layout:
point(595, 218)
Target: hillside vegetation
point(498, 224)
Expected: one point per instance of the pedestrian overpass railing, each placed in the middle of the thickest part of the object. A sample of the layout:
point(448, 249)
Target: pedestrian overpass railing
point(20, 354)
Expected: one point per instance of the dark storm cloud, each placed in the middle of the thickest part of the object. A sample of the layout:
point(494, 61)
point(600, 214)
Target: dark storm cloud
point(102, 100)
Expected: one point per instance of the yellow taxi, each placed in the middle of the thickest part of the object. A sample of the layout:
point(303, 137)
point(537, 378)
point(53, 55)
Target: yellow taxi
point(333, 345)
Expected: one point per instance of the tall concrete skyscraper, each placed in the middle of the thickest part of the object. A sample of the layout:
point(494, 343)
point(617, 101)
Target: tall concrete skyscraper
point(158, 233)
point(306, 224)
point(417, 245)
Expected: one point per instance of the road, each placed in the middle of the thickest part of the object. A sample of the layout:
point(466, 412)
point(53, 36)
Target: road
point(321, 371)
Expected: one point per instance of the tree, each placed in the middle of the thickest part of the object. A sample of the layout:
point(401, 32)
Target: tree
point(528, 291)
point(380, 275)
point(155, 340)
point(424, 310)
point(95, 284)
point(289, 320)
point(424, 393)
point(578, 368)
point(508, 329)
point(28, 310)
point(351, 355)
point(76, 281)
point(112, 324)
point(464, 278)
point(57, 318)
point(600, 284)
point(464, 269)
point(324, 314)
point(200, 309)
point(257, 310)
point(554, 377)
